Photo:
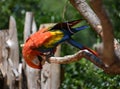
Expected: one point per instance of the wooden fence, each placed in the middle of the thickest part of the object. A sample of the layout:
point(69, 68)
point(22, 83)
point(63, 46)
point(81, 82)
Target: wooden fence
point(16, 75)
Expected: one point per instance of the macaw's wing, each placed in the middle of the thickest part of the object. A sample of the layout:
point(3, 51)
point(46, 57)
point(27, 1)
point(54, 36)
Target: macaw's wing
point(66, 25)
point(37, 39)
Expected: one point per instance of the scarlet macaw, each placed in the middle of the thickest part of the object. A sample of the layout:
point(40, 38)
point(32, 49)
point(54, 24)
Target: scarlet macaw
point(45, 41)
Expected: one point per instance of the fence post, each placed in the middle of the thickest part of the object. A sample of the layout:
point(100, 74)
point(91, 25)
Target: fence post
point(10, 56)
point(13, 55)
point(32, 75)
point(3, 58)
point(50, 74)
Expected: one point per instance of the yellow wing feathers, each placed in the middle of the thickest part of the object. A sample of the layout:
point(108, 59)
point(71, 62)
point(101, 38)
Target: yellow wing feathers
point(56, 36)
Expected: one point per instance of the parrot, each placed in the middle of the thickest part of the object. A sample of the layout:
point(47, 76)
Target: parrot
point(44, 42)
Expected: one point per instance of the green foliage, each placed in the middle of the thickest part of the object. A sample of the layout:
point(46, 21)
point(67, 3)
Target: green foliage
point(78, 75)
point(84, 75)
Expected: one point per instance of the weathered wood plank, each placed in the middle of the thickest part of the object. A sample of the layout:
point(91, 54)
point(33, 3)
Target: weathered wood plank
point(9, 58)
point(32, 75)
point(3, 57)
point(3, 52)
point(13, 55)
point(12, 43)
point(50, 74)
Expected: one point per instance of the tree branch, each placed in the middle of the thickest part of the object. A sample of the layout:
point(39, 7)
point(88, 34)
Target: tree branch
point(89, 56)
point(103, 27)
point(108, 51)
point(77, 56)
point(88, 14)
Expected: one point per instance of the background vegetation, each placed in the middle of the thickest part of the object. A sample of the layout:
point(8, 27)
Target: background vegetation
point(78, 75)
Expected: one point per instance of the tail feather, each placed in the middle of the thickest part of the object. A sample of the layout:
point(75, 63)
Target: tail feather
point(92, 51)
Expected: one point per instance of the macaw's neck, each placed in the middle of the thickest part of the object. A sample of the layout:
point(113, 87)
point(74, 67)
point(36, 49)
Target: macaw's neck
point(74, 30)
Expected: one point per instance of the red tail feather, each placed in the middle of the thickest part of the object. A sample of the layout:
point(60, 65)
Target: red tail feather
point(92, 51)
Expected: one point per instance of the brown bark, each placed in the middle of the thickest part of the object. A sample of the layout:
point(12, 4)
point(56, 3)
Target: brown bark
point(110, 56)
point(108, 51)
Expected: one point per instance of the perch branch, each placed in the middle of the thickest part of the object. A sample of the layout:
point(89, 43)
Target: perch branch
point(77, 56)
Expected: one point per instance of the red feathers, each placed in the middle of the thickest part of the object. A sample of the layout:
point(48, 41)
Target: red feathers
point(32, 43)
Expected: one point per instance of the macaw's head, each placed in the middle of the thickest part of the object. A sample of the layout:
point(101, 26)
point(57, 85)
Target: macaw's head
point(32, 59)
point(31, 56)
point(69, 26)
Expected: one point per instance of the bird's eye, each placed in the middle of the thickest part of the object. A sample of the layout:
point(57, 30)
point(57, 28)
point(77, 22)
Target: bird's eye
point(36, 61)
